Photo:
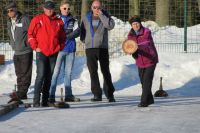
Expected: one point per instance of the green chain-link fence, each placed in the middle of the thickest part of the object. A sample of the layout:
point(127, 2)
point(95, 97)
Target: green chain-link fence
point(174, 23)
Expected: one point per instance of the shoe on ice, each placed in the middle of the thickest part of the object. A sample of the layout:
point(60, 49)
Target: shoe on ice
point(142, 105)
point(51, 100)
point(96, 99)
point(24, 97)
point(111, 100)
point(36, 105)
point(14, 97)
point(72, 99)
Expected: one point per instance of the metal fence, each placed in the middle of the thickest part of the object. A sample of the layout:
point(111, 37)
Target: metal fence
point(181, 33)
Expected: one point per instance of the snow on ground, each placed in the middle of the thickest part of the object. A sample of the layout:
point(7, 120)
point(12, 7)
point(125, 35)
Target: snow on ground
point(180, 72)
point(177, 113)
point(171, 115)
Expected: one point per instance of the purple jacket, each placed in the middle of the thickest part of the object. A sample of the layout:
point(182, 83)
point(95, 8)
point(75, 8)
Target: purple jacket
point(146, 55)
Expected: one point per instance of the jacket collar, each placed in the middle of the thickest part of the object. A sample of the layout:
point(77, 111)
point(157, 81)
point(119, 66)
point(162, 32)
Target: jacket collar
point(141, 31)
point(19, 16)
point(52, 17)
point(68, 17)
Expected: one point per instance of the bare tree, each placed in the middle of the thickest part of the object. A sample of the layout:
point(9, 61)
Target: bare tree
point(199, 5)
point(162, 12)
point(84, 8)
point(133, 7)
point(20, 5)
point(189, 14)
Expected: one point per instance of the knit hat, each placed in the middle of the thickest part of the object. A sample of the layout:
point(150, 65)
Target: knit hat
point(135, 19)
point(49, 5)
point(10, 5)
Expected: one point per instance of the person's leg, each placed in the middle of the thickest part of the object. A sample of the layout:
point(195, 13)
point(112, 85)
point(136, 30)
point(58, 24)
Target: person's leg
point(92, 64)
point(26, 74)
point(48, 76)
point(40, 64)
point(16, 95)
point(17, 65)
point(104, 63)
point(105, 89)
point(147, 78)
point(68, 66)
point(69, 61)
point(56, 72)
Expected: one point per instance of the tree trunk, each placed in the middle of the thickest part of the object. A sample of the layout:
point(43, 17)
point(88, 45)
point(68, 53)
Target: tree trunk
point(189, 14)
point(162, 12)
point(84, 8)
point(20, 5)
point(199, 5)
point(133, 7)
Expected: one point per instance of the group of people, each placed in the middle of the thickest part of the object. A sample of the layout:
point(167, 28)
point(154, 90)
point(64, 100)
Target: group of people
point(52, 37)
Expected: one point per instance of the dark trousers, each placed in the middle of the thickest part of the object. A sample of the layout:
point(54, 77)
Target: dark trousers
point(101, 55)
point(23, 71)
point(45, 66)
point(146, 77)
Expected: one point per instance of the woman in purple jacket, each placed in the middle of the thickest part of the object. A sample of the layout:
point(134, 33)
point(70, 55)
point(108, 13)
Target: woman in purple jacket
point(146, 58)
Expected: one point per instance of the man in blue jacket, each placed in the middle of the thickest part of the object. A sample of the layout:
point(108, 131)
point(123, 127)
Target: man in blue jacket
point(67, 55)
point(94, 33)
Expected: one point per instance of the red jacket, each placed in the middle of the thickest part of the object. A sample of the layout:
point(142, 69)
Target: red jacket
point(146, 54)
point(46, 34)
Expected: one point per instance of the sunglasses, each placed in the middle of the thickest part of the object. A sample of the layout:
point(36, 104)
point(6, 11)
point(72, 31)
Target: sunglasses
point(66, 8)
point(96, 7)
point(10, 10)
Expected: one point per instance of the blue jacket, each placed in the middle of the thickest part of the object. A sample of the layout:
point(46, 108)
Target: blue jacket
point(98, 39)
point(72, 29)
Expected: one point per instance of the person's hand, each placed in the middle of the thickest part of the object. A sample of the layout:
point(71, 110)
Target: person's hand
point(38, 50)
point(99, 12)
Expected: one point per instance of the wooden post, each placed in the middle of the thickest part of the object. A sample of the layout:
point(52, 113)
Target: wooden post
point(2, 59)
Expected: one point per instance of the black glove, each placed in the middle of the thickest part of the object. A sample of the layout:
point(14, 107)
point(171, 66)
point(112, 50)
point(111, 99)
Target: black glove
point(135, 55)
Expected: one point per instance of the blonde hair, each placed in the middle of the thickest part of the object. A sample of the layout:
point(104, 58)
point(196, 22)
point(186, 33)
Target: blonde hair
point(63, 2)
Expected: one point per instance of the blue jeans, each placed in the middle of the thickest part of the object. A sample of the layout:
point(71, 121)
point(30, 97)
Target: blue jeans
point(45, 66)
point(68, 60)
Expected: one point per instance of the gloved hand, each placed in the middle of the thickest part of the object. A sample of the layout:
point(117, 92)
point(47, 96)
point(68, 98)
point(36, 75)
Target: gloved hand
point(135, 55)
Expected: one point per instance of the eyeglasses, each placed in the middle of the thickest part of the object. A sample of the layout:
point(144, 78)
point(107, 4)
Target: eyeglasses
point(10, 10)
point(96, 7)
point(66, 8)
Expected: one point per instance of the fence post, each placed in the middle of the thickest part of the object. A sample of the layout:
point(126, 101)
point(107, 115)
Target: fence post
point(185, 24)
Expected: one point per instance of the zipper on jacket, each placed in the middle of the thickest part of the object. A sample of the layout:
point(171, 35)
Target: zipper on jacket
point(139, 54)
point(91, 27)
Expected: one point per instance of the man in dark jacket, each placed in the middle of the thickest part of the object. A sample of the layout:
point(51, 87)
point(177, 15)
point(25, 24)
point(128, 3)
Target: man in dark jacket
point(23, 56)
point(94, 33)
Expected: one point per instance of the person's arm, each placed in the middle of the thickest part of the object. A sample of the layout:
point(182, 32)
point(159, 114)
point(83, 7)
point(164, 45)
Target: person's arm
point(131, 37)
point(76, 31)
point(62, 36)
point(135, 55)
point(9, 34)
point(26, 23)
point(146, 47)
point(107, 21)
point(32, 32)
point(82, 32)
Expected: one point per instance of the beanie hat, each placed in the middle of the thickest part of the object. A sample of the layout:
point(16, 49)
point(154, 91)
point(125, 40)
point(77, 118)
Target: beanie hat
point(49, 5)
point(135, 19)
point(10, 5)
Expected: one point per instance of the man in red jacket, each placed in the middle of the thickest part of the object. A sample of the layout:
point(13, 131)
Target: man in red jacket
point(46, 36)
